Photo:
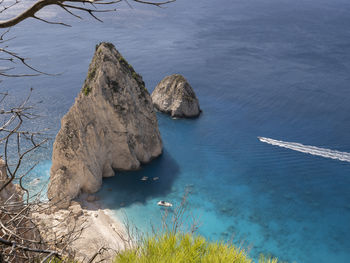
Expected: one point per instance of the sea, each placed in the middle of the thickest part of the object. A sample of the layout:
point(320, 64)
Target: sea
point(266, 165)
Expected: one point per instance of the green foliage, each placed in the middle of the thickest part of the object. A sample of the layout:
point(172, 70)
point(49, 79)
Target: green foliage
point(92, 73)
point(86, 90)
point(269, 259)
point(90, 77)
point(135, 76)
point(123, 61)
point(108, 45)
point(180, 247)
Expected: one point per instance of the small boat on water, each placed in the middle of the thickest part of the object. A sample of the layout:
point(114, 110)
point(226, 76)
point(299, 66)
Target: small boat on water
point(163, 203)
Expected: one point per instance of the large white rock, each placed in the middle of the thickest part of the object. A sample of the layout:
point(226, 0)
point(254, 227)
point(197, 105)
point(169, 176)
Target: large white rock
point(175, 96)
point(112, 125)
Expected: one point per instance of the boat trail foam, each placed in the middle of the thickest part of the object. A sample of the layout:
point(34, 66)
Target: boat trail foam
point(323, 152)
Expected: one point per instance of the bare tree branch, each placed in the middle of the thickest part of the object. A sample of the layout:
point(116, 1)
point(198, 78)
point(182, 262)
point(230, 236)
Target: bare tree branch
point(15, 245)
point(39, 5)
point(4, 8)
point(25, 233)
point(159, 4)
point(68, 6)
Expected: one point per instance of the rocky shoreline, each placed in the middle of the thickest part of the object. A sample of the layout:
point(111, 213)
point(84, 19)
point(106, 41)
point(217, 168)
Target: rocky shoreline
point(94, 230)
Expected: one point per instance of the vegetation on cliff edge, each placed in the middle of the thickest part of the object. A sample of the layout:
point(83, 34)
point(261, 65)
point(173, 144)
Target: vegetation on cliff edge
point(183, 248)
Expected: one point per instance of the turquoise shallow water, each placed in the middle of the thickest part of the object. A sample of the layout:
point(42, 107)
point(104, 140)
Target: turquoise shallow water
point(277, 69)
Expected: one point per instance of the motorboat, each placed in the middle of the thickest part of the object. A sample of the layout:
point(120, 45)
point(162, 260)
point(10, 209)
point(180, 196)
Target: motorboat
point(163, 203)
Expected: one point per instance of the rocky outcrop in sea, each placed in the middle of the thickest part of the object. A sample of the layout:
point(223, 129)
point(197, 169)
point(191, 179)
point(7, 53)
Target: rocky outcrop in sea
point(112, 125)
point(175, 96)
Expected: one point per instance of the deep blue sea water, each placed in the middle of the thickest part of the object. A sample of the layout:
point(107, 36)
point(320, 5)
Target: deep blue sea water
point(273, 68)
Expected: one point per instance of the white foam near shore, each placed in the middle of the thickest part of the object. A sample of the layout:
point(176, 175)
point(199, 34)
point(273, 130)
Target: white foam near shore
point(323, 152)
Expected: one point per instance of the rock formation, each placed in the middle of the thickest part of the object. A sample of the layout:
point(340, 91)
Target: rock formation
point(175, 96)
point(12, 192)
point(112, 125)
point(84, 230)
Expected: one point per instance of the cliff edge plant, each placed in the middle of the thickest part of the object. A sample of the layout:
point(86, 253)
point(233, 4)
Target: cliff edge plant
point(182, 247)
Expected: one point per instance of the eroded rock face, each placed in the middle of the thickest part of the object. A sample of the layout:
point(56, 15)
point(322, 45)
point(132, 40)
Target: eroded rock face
point(12, 193)
point(175, 96)
point(112, 125)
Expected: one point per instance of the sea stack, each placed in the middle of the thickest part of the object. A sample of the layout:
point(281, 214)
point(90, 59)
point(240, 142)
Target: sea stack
point(111, 126)
point(175, 96)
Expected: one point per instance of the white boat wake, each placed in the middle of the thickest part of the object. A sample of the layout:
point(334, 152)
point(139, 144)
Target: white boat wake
point(326, 153)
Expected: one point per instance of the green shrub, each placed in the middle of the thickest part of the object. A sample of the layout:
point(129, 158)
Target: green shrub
point(264, 259)
point(91, 74)
point(180, 247)
point(175, 242)
point(86, 90)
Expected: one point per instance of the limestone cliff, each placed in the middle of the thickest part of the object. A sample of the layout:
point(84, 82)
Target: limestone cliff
point(175, 96)
point(112, 125)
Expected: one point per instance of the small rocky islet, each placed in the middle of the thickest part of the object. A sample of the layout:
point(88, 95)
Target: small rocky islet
point(175, 96)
